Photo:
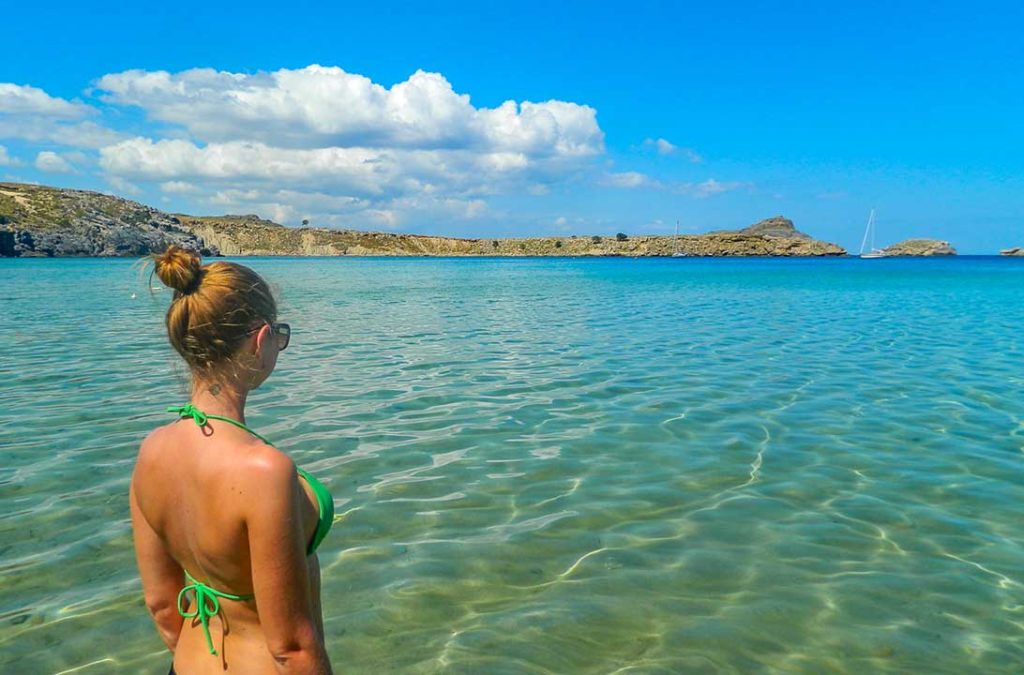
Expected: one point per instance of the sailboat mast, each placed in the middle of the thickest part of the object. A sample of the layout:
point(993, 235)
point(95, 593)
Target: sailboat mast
point(869, 232)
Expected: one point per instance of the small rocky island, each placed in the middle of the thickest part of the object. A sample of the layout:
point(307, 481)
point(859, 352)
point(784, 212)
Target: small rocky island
point(920, 247)
point(1017, 250)
point(46, 221)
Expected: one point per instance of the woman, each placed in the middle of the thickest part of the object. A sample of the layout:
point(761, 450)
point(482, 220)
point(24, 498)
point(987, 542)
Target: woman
point(225, 526)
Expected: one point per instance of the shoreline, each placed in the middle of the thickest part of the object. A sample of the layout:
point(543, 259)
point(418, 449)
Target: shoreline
point(452, 256)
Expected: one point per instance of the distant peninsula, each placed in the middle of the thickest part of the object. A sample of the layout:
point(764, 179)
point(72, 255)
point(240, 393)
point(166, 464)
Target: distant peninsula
point(53, 222)
point(1017, 250)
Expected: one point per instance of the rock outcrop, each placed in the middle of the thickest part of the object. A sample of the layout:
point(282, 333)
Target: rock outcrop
point(43, 221)
point(6, 243)
point(775, 227)
point(50, 221)
point(1017, 250)
point(920, 247)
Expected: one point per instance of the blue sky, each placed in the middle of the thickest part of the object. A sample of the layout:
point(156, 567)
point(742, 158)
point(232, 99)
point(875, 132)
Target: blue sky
point(644, 113)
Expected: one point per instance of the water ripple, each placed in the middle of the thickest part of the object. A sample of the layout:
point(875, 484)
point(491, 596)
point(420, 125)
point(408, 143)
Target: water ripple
point(545, 466)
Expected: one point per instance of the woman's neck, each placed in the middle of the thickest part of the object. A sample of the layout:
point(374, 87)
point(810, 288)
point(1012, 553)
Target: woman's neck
point(217, 398)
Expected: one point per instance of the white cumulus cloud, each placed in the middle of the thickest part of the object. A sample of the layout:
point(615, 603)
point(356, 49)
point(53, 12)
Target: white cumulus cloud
point(30, 114)
point(350, 169)
point(661, 145)
point(664, 147)
point(179, 187)
point(629, 180)
point(324, 144)
point(123, 186)
point(321, 106)
point(271, 139)
point(25, 100)
point(353, 171)
point(51, 162)
point(712, 187)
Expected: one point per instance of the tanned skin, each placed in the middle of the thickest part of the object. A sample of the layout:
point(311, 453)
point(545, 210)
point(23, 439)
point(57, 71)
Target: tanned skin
point(231, 510)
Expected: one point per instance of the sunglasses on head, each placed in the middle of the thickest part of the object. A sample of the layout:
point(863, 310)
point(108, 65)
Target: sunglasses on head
point(281, 331)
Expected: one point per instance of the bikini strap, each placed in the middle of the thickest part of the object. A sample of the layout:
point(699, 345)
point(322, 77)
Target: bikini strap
point(207, 604)
point(202, 419)
point(322, 494)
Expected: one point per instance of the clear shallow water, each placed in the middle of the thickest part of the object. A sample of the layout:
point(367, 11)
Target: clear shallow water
point(548, 466)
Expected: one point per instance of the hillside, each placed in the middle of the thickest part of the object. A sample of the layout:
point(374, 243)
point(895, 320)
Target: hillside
point(45, 221)
point(247, 235)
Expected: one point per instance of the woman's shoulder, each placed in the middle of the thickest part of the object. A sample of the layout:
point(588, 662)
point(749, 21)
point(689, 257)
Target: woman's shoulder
point(267, 464)
point(150, 446)
point(248, 457)
point(154, 447)
point(250, 463)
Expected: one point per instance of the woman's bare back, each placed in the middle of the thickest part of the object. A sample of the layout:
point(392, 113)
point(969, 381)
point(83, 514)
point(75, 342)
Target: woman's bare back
point(192, 486)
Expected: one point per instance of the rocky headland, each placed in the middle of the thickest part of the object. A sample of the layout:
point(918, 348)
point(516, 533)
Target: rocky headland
point(51, 222)
point(920, 247)
point(46, 221)
point(1017, 250)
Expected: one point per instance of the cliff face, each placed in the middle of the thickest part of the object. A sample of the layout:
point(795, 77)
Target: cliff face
point(920, 247)
point(42, 221)
point(54, 222)
point(1019, 250)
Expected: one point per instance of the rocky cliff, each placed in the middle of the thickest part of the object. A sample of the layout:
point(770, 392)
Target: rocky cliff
point(920, 247)
point(1018, 250)
point(55, 222)
point(43, 221)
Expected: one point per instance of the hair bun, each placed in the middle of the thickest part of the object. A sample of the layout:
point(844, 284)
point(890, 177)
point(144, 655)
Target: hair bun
point(179, 268)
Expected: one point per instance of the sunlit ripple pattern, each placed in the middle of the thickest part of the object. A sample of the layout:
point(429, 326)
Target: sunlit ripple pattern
point(551, 466)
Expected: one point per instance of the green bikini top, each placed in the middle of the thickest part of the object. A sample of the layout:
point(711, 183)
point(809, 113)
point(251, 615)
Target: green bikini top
point(207, 602)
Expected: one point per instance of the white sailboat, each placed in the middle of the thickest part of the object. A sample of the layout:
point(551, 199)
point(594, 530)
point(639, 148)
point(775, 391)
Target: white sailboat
point(869, 232)
point(676, 253)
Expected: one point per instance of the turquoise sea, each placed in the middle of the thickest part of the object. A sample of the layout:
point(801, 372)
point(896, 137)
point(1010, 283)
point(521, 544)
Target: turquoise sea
point(561, 466)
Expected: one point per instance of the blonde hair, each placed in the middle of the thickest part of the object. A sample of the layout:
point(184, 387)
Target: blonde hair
point(215, 307)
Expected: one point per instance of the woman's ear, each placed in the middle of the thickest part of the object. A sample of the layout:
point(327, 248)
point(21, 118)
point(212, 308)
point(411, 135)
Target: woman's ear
point(262, 339)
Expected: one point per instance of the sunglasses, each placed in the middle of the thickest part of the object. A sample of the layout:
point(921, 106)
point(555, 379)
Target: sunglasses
point(284, 335)
point(282, 331)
